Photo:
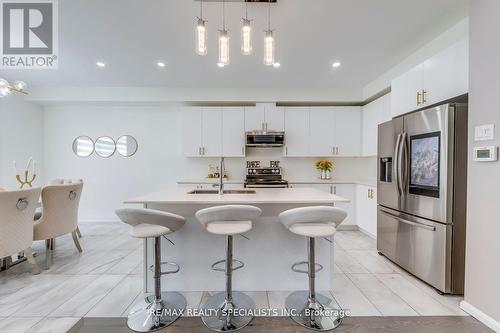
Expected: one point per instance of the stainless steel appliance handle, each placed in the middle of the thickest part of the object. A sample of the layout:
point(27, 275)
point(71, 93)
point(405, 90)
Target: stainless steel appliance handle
point(400, 171)
point(396, 163)
point(266, 186)
point(404, 161)
point(419, 225)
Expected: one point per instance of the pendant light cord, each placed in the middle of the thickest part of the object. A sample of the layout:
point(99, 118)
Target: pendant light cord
point(223, 15)
point(246, 10)
point(269, 16)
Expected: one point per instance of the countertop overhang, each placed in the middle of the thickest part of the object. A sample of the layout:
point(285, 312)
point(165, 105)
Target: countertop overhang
point(179, 195)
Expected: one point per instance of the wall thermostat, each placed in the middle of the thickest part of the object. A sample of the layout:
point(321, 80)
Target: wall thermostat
point(485, 154)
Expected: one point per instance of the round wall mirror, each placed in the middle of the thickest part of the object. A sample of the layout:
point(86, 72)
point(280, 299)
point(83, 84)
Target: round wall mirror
point(126, 145)
point(83, 146)
point(105, 146)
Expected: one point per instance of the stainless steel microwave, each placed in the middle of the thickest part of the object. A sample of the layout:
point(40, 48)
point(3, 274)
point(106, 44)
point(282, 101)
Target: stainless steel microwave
point(265, 139)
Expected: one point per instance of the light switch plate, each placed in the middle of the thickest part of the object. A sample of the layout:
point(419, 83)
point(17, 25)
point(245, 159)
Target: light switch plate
point(484, 132)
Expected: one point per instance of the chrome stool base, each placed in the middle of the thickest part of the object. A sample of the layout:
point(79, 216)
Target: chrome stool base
point(319, 316)
point(223, 318)
point(150, 315)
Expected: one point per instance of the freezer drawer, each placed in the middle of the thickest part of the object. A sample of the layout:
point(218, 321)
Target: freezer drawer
point(420, 246)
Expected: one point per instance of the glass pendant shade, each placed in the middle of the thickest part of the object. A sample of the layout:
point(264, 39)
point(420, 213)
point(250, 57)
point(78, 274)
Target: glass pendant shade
point(269, 45)
point(4, 88)
point(246, 37)
point(223, 48)
point(201, 37)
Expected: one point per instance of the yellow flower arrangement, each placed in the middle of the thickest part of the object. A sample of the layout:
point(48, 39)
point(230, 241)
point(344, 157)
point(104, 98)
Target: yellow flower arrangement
point(324, 165)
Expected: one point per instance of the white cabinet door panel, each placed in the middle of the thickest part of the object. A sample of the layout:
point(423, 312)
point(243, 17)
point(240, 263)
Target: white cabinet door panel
point(347, 191)
point(366, 209)
point(322, 132)
point(191, 131)
point(405, 89)
point(254, 118)
point(233, 132)
point(296, 132)
point(274, 118)
point(212, 132)
point(348, 131)
point(446, 74)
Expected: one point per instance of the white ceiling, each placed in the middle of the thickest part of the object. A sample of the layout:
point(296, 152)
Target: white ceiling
point(130, 36)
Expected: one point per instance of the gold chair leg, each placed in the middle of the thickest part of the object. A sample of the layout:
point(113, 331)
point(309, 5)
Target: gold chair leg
point(31, 259)
point(77, 242)
point(78, 232)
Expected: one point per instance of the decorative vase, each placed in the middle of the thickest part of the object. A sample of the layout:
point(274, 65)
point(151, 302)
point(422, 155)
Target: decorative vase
point(325, 174)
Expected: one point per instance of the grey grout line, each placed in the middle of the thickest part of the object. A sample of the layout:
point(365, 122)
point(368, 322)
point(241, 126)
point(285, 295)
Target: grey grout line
point(362, 293)
point(119, 281)
point(395, 293)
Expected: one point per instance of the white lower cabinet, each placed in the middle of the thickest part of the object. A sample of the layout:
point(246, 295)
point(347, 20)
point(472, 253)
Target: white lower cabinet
point(366, 209)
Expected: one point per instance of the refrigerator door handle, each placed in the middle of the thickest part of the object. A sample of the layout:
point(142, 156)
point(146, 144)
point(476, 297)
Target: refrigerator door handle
point(419, 225)
point(404, 162)
point(396, 163)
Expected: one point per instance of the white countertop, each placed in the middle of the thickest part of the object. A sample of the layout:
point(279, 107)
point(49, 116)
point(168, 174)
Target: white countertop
point(369, 182)
point(178, 195)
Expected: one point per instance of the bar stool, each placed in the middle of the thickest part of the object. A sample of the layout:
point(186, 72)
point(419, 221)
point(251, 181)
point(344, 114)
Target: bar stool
point(308, 308)
point(162, 308)
point(228, 220)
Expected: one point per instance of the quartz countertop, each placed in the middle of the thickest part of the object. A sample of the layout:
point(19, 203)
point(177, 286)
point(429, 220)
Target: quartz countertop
point(369, 182)
point(179, 195)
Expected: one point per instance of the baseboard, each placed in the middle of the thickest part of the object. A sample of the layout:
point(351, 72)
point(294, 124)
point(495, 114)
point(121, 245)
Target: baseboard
point(349, 227)
point(369, 234)
point(481, 316)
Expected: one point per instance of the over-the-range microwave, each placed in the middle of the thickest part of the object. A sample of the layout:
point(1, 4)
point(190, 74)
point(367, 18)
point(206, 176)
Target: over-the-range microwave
point(265, 139)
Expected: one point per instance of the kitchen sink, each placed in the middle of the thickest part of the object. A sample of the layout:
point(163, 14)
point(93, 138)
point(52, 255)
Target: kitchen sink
point(225, 192)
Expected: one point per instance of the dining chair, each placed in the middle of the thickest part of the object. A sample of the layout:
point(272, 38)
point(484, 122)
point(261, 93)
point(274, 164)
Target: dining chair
point(17, 209)
point(59, 217)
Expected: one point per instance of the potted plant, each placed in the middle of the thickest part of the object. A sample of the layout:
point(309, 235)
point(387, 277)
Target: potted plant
point(325, 167)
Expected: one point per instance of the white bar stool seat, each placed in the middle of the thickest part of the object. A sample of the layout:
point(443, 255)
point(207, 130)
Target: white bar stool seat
point(308, 308)
point(162, 308)
point(219, 309)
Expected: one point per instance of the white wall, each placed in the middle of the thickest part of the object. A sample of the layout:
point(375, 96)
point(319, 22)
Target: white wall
point(482, 287)
point(109, 181)
point(21, 137)
point(441, 42)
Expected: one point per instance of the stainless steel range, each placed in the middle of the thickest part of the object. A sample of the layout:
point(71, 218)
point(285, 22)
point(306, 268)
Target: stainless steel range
point(265, 177)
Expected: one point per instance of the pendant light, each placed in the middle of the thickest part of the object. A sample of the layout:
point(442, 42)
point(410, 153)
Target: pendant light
point(223, 40)
point(6, 88)
point(246, 34)
point(201, 33)
point(269, 42)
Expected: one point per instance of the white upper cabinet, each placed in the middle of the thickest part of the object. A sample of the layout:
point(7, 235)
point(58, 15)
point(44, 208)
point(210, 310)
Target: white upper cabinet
point(406, 91)
point(439, 78)
point(373, 114)
point(347, 131)
point(322, 133)
point(192, 132)
point(233, 132)
point(446, 74)
point(296, 132)
point(264, 116)
point(212, 132)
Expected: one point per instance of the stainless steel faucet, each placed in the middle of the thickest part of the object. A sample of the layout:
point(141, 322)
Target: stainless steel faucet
point(221, 175)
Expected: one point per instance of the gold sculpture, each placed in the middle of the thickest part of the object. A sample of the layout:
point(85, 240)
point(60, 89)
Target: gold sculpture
point(27, 179)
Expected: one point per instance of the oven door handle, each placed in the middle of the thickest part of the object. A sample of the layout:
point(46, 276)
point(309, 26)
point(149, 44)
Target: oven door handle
point(416, 224)
point(267, 186)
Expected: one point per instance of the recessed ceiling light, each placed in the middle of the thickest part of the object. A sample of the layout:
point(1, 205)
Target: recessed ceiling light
point(100, 64)
point(160, 64)
point(277, 64)
point(336, 64)
point(220, 64)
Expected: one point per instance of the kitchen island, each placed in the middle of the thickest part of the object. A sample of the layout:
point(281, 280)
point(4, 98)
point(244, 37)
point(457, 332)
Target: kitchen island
point(268, 254)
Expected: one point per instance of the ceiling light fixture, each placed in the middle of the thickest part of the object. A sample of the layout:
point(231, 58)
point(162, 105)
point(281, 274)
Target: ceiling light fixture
point(246, 34)
point(6, 88)
point(100, 64)
point(336, 64)
point(269, 42)
point(223, 39)
point(201, 33)
point(160, 64)
point(277, 65)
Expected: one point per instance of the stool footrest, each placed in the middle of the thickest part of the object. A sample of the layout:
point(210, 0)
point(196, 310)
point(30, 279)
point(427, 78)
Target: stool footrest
point(239, 264)
point(173, 271)
point(318, 267)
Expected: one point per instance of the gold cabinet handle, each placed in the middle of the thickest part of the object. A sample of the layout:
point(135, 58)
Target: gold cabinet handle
point(243, 150)
point(286, 150)
point(418, 98)
point(337, 150)
point(199, 150)
point(423, 96)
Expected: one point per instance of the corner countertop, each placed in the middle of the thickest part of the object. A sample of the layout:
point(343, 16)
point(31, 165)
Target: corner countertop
point(179, 195)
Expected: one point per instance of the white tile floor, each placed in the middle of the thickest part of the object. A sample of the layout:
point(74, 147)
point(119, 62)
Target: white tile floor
point(106, 280)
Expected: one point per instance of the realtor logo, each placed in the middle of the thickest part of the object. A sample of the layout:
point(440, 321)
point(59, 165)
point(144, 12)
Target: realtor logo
point(28, 34)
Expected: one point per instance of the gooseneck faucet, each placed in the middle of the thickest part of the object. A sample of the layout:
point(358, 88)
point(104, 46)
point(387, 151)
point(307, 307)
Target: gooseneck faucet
point(221, 176)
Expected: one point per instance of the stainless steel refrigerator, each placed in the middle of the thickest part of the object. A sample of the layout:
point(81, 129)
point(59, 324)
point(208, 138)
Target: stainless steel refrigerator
point(422, 185)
